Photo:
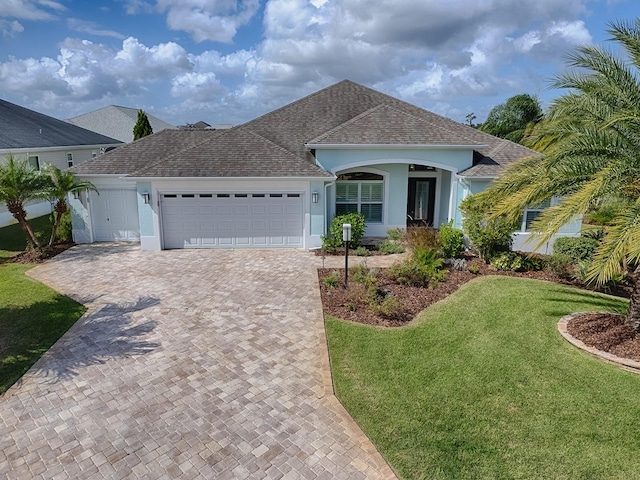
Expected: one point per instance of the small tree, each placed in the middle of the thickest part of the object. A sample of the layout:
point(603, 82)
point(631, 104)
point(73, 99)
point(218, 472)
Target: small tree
point(513, 118)
point(142, 128)
point(20, 183)
point(58, 185)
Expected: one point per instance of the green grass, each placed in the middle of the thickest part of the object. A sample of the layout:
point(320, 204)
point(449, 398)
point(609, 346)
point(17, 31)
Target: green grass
point(13, 239)
point(483, 386)
point(32, 318)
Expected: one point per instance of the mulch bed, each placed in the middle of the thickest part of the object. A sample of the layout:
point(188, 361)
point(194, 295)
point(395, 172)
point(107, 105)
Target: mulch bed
point(603, 331)
point(40, 256)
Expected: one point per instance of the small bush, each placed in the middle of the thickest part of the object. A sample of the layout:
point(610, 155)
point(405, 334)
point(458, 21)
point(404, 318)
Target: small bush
point(332, 280)
point(388, 307)
point(361, 251)
point(489, 236)
point(333, 241)
point(390, 247)
point(451, 240)
point(423, 269)
point(517, 262)
point(577, 248)
point(473, 268)
point(364, 275)
point(416, 238)
point(395, 233)
point(560, 265)
point(63, 234)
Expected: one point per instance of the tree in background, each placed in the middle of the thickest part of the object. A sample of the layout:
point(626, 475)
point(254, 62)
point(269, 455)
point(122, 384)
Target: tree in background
point(58, 186)
point(142, 128)
point(512, 119)
point(19, 183)
point(590, 139)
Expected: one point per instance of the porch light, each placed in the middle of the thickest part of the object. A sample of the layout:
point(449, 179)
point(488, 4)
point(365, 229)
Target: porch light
point(146, 197)
point(314, 197)
point(76, 195)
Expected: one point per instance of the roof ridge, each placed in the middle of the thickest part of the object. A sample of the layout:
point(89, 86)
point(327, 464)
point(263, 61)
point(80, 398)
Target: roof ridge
point(295, 102)
point(352, 120)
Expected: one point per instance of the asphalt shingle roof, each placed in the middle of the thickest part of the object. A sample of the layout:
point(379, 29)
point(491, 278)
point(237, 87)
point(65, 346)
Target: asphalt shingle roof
point(24, 128)
point(117, 122)
point(232, 153)
point(274, 145)
point(147, 150)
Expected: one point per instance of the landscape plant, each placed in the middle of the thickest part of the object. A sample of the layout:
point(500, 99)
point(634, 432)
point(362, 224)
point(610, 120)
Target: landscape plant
point(451, 240)
point(576, 248)
point(333, 241)
point(590, 139)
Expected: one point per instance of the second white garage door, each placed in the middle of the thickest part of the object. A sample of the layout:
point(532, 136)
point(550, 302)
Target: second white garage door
point(232, 220)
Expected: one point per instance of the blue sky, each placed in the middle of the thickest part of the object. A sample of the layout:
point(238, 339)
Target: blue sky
point(227, 61)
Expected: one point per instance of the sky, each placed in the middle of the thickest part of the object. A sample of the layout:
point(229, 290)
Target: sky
point(228, 61)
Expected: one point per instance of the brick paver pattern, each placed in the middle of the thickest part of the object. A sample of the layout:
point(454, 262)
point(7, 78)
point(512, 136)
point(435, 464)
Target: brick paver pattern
point(188, 364)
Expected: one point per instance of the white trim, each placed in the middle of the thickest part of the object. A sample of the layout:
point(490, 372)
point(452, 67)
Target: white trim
point(208, 179)
point(392, 161)
point(389, 146)
point(59, 148)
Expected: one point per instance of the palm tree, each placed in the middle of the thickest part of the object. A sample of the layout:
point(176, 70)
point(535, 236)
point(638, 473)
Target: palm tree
point(20, 183)
point(59, 185)
point(590, 139)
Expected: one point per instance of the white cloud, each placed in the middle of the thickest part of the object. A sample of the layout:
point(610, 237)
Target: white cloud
point(30, 9)
point(215, 20)
point(10, 28)
point(91, 28)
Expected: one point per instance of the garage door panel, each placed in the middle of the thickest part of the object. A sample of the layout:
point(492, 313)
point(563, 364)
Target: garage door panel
point(232, 220)
point(115, 215)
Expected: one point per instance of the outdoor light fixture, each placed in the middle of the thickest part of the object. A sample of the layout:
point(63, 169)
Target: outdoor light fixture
point(76, 195)
point(147, 198)
point(314, 197)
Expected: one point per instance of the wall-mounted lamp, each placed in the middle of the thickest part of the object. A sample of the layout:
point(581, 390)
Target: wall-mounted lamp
point(314, 197)
point(76, 195)
point(147, 198)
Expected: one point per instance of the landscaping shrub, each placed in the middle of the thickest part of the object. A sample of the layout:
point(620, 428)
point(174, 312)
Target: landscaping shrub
point(388, 307)
point(333, 241)
point(560, 265)
point(451, 240)
point(416, 238)
point(395, 233)
point(361, 252)
point(516, 262)
point(63, 234)
point(389, 246)
point(332, 280)
point(423, 269)
point(577, 248)
point(364, 275)
point(489, 236)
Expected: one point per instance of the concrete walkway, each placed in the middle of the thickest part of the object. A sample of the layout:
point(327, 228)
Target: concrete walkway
point(188, 364)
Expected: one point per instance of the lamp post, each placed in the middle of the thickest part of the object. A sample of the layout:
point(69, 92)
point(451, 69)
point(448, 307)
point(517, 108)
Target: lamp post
point(346, 238)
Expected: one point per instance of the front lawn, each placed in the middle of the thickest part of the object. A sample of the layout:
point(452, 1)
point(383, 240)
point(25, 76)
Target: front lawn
point(13, 240)
point(482, 385)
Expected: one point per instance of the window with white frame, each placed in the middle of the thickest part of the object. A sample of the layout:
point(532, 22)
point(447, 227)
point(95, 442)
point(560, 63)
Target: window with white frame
point(69, 160)
point(532, 213)
point(34, 162)
point(360, 192)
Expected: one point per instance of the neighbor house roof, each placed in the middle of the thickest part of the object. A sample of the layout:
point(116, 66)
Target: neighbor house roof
point(24, 128)
point(116, 122)
point(280, 143)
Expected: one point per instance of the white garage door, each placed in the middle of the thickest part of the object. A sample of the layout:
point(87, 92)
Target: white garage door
point(232, 220)
point(115, 216)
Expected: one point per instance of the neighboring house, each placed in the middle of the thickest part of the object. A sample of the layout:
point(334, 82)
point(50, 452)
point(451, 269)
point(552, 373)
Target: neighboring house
point(42, 139)
point(116, 122)
point(278, 180)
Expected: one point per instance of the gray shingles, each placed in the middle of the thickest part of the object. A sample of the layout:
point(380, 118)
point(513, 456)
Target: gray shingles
point(24, 128)
point(274, 145)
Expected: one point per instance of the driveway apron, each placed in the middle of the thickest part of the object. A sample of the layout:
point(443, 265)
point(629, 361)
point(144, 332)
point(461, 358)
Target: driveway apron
point(188, 364)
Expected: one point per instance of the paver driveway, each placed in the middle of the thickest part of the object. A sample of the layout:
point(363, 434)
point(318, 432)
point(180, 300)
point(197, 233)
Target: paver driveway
point(189, 364)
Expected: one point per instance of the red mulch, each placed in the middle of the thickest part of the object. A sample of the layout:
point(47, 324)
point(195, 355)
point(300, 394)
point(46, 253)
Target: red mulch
point(603, 331)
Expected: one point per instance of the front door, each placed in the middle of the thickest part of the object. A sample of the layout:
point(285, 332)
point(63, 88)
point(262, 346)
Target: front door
point(421, 199)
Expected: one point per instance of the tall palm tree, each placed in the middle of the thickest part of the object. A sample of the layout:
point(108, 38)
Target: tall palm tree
point(20, 183)
point(590, 139)
point(59, 185)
